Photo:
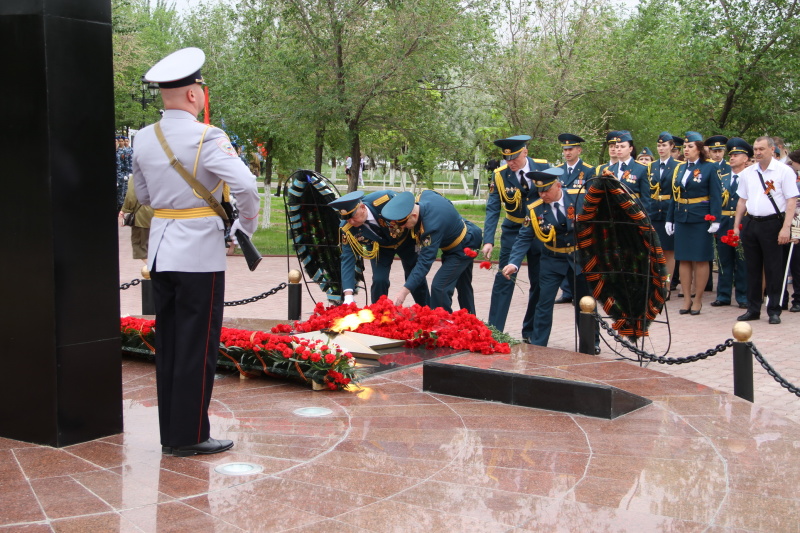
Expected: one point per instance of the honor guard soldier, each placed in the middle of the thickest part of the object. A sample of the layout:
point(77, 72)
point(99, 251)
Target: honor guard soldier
point(510, 189)
point(366, 233)
point(174, 160)
point(660, 178)
point(732, 266)
point(576, 174)
point(768, 193)
point(435, 224)
point(645, 157)
point(551, 221)
point(611, 143)
point(716, 149)
point(693, 218)
point(632, 174)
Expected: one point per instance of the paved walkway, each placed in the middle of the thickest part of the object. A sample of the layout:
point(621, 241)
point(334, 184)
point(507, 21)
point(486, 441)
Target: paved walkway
point(683, 335)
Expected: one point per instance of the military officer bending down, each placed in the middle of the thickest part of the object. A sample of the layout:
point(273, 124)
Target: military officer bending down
point(366, 233)
point(436, 224)
point(552, 219)
point(186, 255)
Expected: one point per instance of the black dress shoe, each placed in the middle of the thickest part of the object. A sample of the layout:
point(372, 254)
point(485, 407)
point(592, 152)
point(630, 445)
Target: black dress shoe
point(795, 308)
point(749, 316)
point(774, 319)
point(717, 303)
point(742, 306)
point(564, 300)
point(204, 448)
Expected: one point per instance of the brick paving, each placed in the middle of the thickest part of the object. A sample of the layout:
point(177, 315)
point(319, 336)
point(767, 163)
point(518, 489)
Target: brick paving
point(683, 335)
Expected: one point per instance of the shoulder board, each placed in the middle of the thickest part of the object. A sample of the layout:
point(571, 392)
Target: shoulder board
point(587, 165)
point(710, 161)
point(346, 227)
point(723, 175)
point(500, 169)
point(382, 200)
point(540, 161)
point(572, 191)
point(535, 204)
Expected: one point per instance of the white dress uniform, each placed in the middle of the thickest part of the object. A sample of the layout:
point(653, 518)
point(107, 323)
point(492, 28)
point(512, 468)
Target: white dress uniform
point(190, 244)
point(187, 254)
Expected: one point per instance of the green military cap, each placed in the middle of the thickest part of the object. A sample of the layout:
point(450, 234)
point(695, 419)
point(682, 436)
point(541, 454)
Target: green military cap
point(544, 179)
point(512, 146)
point(347, 204)
point(399, 208)
point(717, 142)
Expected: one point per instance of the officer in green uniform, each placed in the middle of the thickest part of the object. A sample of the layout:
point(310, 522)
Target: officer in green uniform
point(435, 224)
point(509, 189)
point(366, 233)
point(634, 175)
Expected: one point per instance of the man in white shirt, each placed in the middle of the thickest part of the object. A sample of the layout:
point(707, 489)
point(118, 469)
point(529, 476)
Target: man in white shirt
point(768, 192)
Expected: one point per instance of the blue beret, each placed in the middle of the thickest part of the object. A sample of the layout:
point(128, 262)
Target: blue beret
point(347, 204)
point(717, 142)
point(512, 146)
point(543, 179)
point(677, 140)
point(737, 145)
point(399, 207)
point(569, 140)
point(665, 137)
point(693, 137)
point(646, 151)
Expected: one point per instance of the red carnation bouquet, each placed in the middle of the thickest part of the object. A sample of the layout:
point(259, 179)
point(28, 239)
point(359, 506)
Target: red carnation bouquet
point(418, 326)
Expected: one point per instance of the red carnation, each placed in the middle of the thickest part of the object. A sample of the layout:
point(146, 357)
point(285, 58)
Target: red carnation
point(469, 252)
point(710, 218)
point(486, 265)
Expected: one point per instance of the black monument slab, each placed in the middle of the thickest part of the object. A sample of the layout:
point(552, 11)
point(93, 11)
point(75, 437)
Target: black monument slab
point(59, 276)
point(576, 397)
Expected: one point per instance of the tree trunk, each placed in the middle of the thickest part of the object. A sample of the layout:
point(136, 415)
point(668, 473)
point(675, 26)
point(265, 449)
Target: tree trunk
point(268, 161)
point(355, 157)
point(319, 144)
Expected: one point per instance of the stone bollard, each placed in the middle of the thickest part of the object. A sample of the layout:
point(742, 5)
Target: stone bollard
point(742, 361)
point(295, 295)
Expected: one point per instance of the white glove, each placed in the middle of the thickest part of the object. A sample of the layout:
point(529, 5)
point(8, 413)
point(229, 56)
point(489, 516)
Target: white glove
point(714, 227)
point(669, 227)
point(348, 299)
point(237, 225)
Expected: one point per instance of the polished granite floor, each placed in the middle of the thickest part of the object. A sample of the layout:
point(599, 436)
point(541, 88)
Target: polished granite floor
point(391, 457)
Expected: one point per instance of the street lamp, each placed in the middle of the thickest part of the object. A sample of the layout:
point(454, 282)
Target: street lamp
point(146, 88)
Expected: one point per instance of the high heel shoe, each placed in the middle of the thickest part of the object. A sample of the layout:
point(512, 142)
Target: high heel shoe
point(696, 312)
point(684, 311)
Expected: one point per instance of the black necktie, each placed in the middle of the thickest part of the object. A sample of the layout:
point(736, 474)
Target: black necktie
point(559, 215)
point(523, 182)
point(569, 170)
point(663, 166)
point(691, 166)
point(624, 167)
point(733, 181)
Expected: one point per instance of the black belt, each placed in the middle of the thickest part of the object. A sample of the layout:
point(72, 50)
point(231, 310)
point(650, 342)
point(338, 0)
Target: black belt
point(768, 217)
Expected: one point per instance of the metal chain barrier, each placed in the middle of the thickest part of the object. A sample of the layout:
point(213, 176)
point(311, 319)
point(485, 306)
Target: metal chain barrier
point(133, 283)
point(772, 372)
point(250, 300)
point(661, 359)
point(259, 297)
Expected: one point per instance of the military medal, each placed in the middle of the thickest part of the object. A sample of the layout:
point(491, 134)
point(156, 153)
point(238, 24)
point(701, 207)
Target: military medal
point(571, 212)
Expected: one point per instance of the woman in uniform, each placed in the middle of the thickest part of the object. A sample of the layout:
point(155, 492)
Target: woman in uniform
point(693, 218)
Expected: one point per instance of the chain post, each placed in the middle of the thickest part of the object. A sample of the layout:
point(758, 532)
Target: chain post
point(295, 295)
point(743, 361)
point(586, 325)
